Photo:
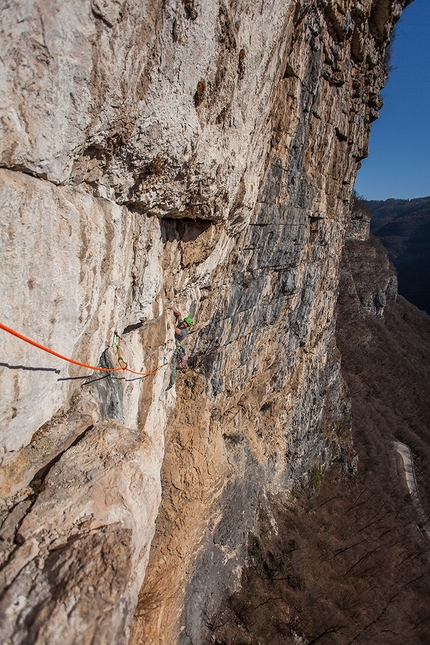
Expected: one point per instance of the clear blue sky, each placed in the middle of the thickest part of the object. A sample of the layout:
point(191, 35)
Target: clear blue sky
point(399, 153)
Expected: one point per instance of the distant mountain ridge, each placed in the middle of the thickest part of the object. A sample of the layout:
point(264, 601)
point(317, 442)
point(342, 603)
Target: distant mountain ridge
point(403, 226)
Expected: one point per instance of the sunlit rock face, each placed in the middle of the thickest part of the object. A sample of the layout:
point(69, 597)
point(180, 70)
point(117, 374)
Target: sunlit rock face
point(194, 153)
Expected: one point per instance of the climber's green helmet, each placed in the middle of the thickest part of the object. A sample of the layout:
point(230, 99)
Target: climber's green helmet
point(189, 321)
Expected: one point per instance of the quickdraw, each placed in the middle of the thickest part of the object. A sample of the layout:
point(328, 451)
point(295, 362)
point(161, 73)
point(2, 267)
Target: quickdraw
point(117, 344)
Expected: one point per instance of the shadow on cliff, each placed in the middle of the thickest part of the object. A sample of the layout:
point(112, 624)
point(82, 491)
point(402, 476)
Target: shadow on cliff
point(29, 368)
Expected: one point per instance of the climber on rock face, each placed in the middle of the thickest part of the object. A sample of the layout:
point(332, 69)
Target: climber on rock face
point(181, 325)
point(181, 330)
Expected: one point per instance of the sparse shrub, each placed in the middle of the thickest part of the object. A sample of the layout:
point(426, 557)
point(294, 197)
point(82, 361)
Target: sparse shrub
point(155, 166)
point(296, 582)
point(358, 204)
point(388, 66)
point(147, 602)
point(291, 547)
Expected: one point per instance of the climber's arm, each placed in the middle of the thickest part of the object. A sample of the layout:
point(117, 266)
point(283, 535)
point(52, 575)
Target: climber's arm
point(178, 317)
point(176, 312)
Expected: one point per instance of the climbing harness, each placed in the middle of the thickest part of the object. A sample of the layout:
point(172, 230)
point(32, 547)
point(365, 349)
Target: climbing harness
point(180, 353)
point(122, 364)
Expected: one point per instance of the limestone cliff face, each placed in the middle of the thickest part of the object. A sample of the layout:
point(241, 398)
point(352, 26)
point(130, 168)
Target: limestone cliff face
point(186, 152)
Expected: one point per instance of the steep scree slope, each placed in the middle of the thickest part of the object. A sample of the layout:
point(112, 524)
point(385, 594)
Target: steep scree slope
point(201, 153)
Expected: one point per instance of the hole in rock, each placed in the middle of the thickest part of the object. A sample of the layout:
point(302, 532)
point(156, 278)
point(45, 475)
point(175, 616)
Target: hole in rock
point(185, 230)
point(94, 152)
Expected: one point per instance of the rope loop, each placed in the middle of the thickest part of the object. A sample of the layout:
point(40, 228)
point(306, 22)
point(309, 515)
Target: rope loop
point(123, 365)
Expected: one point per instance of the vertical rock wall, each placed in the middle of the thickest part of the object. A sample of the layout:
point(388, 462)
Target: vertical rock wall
point(200, 153)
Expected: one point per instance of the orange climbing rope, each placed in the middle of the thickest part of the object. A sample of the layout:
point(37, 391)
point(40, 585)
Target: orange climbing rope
point(123, 367)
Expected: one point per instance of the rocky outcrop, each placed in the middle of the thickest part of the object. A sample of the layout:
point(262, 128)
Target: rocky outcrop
point(403, 227)
point(364, 260)
point(359, 222)
point(195, 153)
